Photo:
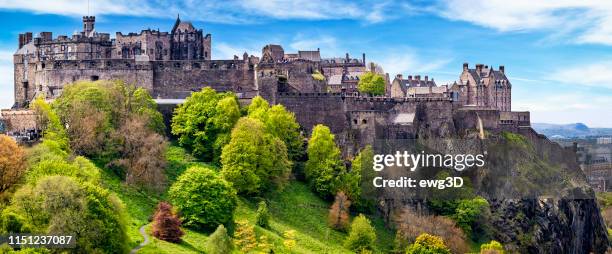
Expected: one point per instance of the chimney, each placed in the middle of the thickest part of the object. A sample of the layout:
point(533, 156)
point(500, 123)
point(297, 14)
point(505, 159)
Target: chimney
point(465, 66)
point(363, 58)
point(46, 36)
point(417, 77)
point(426, 78)
point(24, 39)
point(347, 57)
point(398, 76)
point(479, 68)
point(409, 77)
point(502, 69)
point(372, 67)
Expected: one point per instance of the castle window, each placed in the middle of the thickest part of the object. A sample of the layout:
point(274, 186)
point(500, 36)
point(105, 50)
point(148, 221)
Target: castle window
point(355, 121)
point(364, 121)
point(63, 47)
point(95, 78)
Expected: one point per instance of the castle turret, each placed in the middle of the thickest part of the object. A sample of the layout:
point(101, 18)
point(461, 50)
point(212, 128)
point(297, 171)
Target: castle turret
point(88, 25)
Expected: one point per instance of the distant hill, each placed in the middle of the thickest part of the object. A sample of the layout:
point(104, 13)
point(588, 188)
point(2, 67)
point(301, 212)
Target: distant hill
point(569, 130)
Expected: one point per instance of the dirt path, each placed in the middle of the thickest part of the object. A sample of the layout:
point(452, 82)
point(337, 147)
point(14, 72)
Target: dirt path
point(145, 242)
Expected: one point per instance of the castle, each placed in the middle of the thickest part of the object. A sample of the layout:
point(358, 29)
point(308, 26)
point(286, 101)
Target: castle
point(171, 65)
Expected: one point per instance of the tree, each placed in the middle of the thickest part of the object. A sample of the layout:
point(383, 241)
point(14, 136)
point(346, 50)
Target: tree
point(362, 236)
point(254, 160)
point(50, 123)
point(428, 244)
point(202, 119)
point(410, 225)
point(219, 242)
point(244, 237)
point(142, 155)
point(468, 211)
point(324, 167)
point(61, 206)
point(362, 165)
point(339, 212)
point(371, 83)
point(12, 162)
point(166, 225)
point(262, 218)
point(203, 198)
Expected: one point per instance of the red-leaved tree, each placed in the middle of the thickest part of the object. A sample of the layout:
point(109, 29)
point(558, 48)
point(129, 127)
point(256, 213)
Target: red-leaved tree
point(166, 224)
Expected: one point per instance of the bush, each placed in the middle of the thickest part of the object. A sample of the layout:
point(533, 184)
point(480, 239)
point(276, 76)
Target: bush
point(362, 236)
point(262, 218)
point(289, 241)
point(493, 247)
point(203, 198)
point(60, 205)
point(12, 162)
point(80, 168)
point(166, 225)
point(219, 242)
point(338, 217)
point(410, 225)
point(324, 168)
point(428, 244)
point(254, 160)
point(244, 237)
point(365, 196)
point(10, 222)
point(468, 211)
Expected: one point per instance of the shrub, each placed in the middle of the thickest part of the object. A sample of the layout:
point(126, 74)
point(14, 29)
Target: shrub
point(289, 241)
point(324, 167)
point(493, 247)
point(10, 222)
point(60, 205)
point(338, 217)
point(80, 168)
point(219, 242)
point(468, 211)
point(428, 244)
point(203, 198)
point(365, 196)
point(317, 76)
point(254, 160)
point(262, 217)
point(12, 162)
point(244, 237)
point(410, 225)
point(166, 225)
point(362, 236)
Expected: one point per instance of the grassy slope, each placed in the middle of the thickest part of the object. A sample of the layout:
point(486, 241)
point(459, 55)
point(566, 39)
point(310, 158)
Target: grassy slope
point(296, 207)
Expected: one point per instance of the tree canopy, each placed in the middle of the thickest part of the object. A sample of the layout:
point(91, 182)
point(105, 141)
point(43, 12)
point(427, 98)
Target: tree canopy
point(371, 83)
point(324, 167)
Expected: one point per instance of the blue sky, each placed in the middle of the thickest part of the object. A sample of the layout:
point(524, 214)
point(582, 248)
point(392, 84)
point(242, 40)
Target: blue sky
point(557, 54)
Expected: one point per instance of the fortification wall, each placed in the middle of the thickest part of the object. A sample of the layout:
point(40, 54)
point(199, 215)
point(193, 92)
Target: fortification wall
point(316, 108)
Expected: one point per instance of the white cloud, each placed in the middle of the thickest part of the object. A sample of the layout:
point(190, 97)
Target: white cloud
point(589, 20)
point(567, 107)
point(227, 51)
point(408, 62)
point(232, 11)
point(592, 74)
point(6, 79)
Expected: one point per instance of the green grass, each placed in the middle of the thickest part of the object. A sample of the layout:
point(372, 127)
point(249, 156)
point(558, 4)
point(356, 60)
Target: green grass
point(295, 208)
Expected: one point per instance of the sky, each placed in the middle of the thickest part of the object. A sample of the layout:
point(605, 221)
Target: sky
point(557, 54)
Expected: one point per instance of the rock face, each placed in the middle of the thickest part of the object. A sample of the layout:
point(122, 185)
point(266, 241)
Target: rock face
point(549, 225)
point(539, 199)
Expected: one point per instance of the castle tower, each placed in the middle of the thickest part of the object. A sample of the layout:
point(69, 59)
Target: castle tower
point(88, 25)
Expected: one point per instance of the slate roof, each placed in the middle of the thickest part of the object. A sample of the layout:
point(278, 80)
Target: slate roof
point(314, 56)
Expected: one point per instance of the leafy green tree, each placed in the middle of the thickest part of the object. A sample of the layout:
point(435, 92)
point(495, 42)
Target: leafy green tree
point(262, 218)
point(280, 123)
point(428, 244)
point(80, 168)
point(219, 242)
point(363, 165)
point(362, 236)
point(59, 205)
point(50, 123)
point(203, 198)
point(468, 211)
point(202, 119)
point(254, 160)
point(324, 168)
point(371, 83)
